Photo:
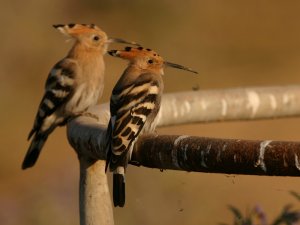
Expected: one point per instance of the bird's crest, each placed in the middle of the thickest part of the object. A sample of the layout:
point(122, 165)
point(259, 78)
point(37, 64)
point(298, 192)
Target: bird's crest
point(76, 29)
point(152, 57)
point(131, 53)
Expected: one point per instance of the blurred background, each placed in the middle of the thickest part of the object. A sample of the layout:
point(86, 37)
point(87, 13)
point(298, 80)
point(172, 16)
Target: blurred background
point(231, 43)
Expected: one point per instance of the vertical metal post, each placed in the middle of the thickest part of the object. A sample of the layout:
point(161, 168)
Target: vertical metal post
point(94, 198)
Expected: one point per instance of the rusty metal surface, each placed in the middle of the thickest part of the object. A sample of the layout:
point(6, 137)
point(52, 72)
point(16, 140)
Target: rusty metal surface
point(211, 155)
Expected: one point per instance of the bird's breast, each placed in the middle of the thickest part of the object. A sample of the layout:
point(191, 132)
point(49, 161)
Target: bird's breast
point(86, 94)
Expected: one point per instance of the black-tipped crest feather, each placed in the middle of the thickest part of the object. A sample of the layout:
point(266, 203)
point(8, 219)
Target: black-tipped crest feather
point(112, 52)
point(58, 25)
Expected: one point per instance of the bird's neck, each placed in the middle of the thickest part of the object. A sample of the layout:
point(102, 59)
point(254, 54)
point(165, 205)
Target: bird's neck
point(81, 52)
point(90, 60)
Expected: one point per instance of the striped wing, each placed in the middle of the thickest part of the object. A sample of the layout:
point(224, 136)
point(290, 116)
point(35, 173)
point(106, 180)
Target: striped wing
point(59, 88)
point(130, 110)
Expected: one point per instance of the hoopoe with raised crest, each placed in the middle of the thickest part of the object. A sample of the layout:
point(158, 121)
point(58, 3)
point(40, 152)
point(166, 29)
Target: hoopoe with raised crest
point(134, 105)
point(73, 85)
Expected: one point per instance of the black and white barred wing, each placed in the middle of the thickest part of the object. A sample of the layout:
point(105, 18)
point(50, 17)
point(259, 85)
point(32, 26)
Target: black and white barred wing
point(131, 109)
point(58, 90)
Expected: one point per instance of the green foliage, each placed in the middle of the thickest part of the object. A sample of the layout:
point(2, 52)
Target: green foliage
point(257, 216)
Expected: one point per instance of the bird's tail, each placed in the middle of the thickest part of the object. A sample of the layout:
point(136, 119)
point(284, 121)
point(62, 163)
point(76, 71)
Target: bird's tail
point(119, 187)
point(34, 150)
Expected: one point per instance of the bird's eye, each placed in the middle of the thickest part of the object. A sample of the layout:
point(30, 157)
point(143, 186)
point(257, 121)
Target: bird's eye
point(150, 61)
point(96, 38)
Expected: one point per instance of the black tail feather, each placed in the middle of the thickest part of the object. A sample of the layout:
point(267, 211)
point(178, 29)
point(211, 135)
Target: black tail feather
point(33, 151)
point(108, 156)
point(119, 190)
point(31, 133)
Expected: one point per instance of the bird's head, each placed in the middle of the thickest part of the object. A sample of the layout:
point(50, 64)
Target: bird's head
point(146, 59)
point(89, 34)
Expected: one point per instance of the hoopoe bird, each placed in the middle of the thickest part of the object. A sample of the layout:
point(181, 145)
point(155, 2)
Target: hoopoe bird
point(73, 85)
point(134, 105)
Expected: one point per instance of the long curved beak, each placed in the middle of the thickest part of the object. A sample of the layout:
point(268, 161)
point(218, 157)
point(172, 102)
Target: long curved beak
point(177, 66)
point(119, 40)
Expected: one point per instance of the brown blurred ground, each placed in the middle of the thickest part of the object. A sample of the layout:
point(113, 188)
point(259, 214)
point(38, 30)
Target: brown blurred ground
point(231, 43)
